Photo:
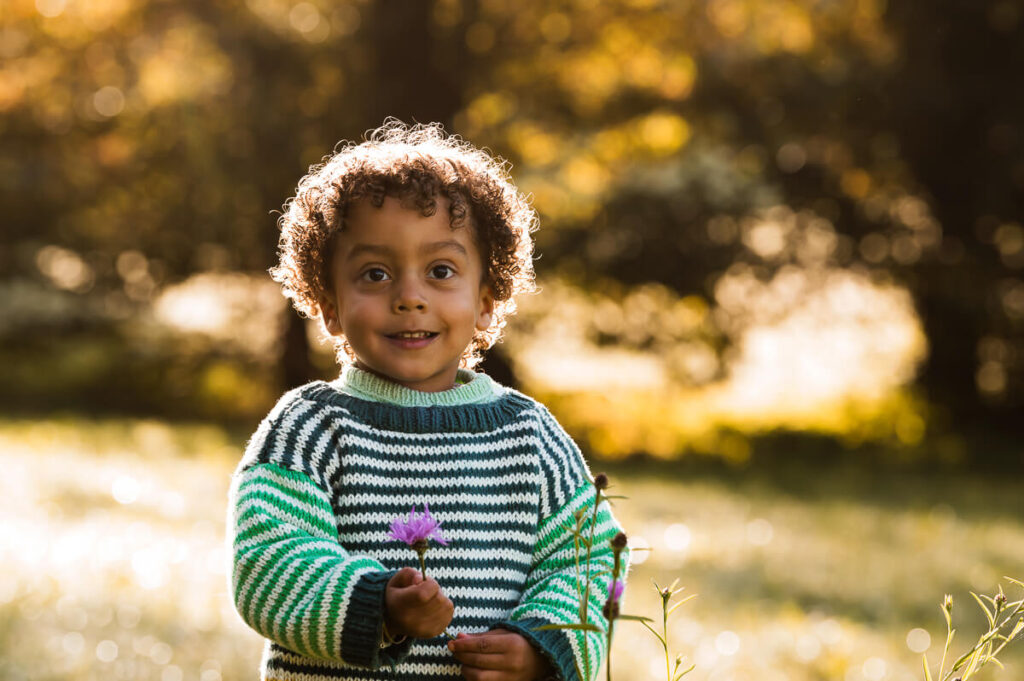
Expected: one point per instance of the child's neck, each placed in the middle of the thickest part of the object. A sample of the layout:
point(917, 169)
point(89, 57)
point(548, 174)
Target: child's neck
point(448, 385)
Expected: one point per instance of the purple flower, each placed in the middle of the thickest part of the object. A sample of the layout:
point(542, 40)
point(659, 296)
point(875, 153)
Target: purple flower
point(417, 529)
point(615, 591)
point(611, 606)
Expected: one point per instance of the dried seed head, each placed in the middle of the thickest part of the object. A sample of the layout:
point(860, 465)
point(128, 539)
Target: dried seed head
point(601, 481)
point(619, 541)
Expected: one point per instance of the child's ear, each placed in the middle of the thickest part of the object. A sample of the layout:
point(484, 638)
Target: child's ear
point(329, 317)
point(485, 311)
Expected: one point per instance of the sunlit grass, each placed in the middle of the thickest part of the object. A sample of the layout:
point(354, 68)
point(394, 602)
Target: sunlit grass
point(111, 541)
point(111, 538)
point(815, 577)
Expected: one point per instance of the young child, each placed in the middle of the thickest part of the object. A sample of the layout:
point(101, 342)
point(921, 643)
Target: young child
point(410, 249)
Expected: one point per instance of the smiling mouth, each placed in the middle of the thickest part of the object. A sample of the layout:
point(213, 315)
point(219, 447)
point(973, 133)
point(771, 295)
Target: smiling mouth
point(412, 335)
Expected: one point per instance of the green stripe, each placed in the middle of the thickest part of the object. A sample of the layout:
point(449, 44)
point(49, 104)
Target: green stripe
point(289, 510)
point(310, 499)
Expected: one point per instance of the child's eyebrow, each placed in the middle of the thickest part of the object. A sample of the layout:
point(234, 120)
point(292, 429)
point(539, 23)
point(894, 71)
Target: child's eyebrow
point(375, 249)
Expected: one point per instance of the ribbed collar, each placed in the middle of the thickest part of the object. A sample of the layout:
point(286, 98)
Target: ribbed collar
point(473, 388)
point(434, 418)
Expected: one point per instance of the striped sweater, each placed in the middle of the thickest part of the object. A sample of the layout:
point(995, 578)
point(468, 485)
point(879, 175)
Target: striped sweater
point(326, 472)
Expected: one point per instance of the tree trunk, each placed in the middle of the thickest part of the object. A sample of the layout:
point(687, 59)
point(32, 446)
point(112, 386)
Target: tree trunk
point(955, 80)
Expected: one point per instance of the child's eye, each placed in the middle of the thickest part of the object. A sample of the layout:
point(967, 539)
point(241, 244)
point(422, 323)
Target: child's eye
point(442, 272)
point(375, 274)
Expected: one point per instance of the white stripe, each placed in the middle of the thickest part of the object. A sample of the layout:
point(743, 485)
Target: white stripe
point(302, 437)
point(272, 613)
point(303, 605)
point(410, 500)
point(259, 438)
point(436, 449)
point(456, 592)
point(346, 597)
point(268, 555)
point(448, 667)
point(319, 449)
point(274, 512)
point(275, 588)
point(401, 466)
point(491, 613)
point(274, 532)
point(394, 484)
point(471, 574)
point(551, 450)
point(436, 553)
point(335, 458)
point(453, 536)
point(286, 427)
point(264, 558)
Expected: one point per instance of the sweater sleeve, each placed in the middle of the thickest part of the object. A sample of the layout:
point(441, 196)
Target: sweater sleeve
point(554, 587)
point(291, 580)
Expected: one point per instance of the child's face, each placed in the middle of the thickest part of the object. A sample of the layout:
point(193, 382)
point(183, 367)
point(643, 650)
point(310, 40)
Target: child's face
point(408, 293)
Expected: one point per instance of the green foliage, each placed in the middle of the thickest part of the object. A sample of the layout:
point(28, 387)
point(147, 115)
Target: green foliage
point(1005, 624)
point(670, 148)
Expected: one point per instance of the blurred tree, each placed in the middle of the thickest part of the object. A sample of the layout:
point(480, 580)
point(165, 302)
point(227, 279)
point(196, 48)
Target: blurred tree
point(649, 132)
point(958, 115)
point(141, 142)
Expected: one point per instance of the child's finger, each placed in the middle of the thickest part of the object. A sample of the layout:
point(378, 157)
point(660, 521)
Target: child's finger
point(480, 644)
point(406, 577)
point(471, 673)
point(427, 590)
point(483, 660)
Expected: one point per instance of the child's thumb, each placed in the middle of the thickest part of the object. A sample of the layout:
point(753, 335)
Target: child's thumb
point(407, 576)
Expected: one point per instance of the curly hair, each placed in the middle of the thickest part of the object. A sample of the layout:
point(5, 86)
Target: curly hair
point(416, 164)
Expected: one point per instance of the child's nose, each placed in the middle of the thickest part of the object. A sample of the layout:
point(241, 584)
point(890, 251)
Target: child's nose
point(409, 298)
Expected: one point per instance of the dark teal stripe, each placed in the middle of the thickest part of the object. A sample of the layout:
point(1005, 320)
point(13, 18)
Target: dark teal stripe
point(467, 418)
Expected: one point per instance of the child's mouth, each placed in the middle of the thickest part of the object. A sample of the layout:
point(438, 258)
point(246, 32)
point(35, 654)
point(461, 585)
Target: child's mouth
point(412, 335)
point(410, 340)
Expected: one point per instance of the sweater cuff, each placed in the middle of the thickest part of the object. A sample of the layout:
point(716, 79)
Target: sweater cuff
point(364, 625)
point(552, 643)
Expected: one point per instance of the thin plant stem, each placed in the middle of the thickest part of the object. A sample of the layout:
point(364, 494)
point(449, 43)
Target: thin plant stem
point(942, 664)
point(423, 571)
point(586, 590)
point(985, 639)
point(576, 553)
point(608, 659)
point(664, 628)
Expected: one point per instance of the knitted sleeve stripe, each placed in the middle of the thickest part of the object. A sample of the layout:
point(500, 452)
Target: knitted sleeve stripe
point(554, 588)
point(555, 584)
point(292, 581)
point(561, 462)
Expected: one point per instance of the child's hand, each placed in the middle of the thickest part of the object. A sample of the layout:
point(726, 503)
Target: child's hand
point(414, 607)
point(499, 655)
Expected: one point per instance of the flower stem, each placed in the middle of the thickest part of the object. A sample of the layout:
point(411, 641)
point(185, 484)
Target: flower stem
point(608, 659)
point(664, 624)
point(586, 590)
point(423, 571)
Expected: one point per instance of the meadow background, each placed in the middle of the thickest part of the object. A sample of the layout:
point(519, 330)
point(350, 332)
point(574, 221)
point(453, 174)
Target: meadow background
point(781, 256)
